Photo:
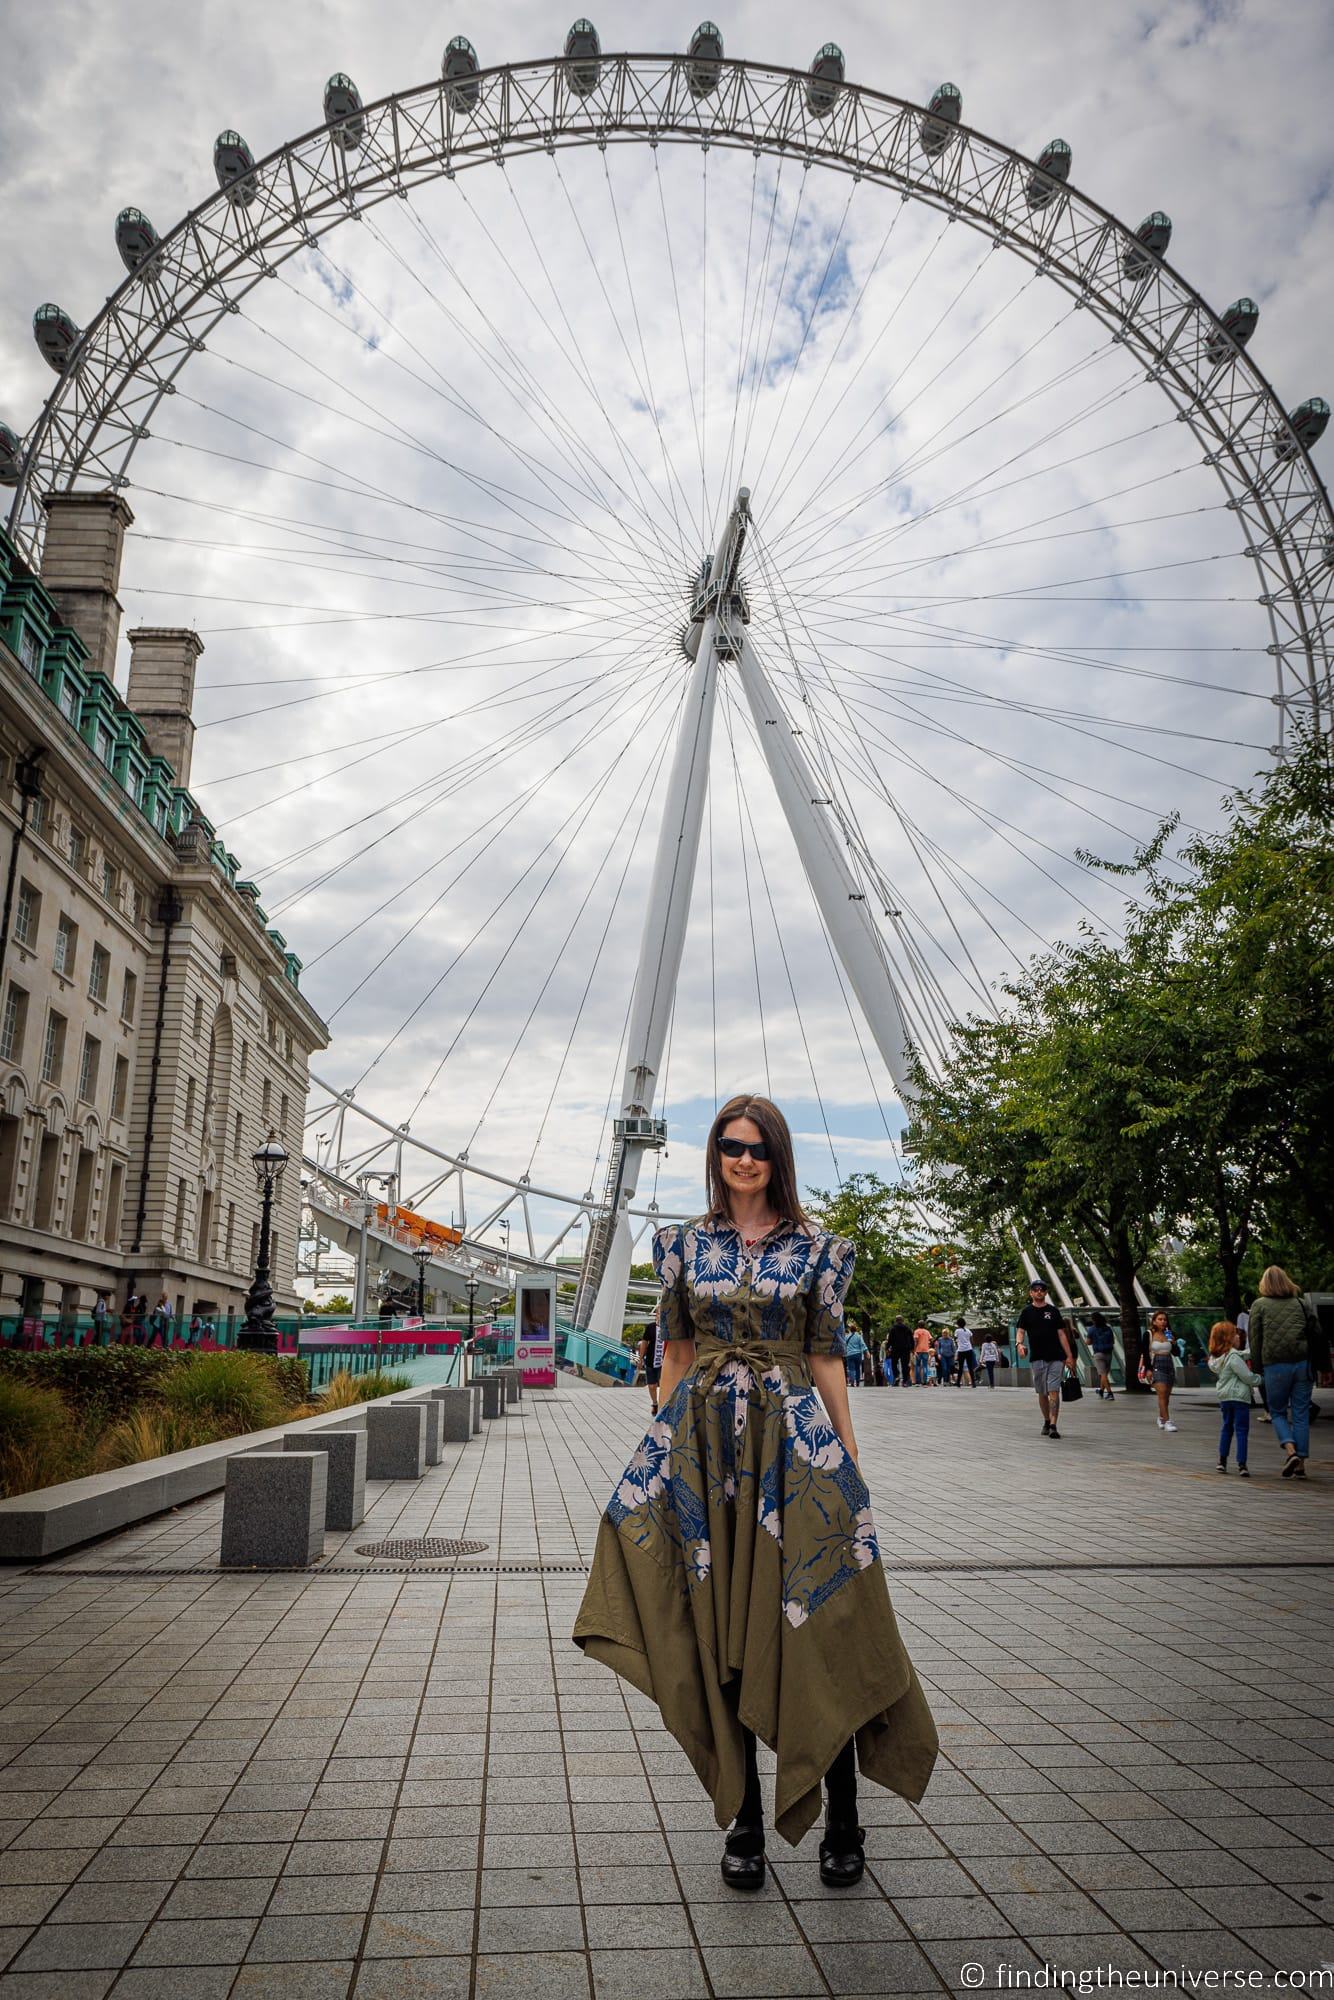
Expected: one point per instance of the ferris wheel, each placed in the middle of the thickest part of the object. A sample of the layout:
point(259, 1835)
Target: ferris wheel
point(698, 561)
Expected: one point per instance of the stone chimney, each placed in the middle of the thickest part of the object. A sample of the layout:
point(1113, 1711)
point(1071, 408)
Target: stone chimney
point(162, 691)
point(85, 535)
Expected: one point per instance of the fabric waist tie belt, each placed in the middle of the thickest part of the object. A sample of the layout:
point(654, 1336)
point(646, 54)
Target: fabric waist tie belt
point(754, 1355)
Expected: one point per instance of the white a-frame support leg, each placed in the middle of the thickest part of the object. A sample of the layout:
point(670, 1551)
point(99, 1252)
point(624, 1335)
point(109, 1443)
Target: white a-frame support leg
point(842, 904)
point(660, 951)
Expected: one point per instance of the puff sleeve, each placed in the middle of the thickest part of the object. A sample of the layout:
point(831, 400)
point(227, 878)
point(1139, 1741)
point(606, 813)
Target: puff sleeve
point(824, 1301)
point(669, 1264)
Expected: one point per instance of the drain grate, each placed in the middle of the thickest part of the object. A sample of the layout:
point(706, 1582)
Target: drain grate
point(312, 1570)
point(421, 1548)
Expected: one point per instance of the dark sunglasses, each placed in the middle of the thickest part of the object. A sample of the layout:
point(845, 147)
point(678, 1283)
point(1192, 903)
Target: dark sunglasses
point(734, 1149)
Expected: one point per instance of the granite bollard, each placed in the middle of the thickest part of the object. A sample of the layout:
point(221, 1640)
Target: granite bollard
point(513, 1379)
point(395, 1441)
point(345, 1496)
point(493, 1396)
point(434, 1427)
point(475, 1391)
point(456, 1413)
point(273, 1509)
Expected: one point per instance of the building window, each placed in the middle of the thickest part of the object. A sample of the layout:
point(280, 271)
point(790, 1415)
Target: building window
point(88, 1067)
point(78, 847)
point(265, 1101)
point(53, 1049)
point(99, 975)
point(37, 814)
point(67, 944)
point(28, 915)
point(110, 880)
point(137, 903)
point(245, 1060)
point(69, 702)
point(282, 1112)
point(199, 1017)
point(129, 996)
point(236, 1139)
point(231, 1231)
point(30, 653)
point(106, 743)
point(180, 1212)
point(287, 1047)
point(13, 1023)
point(189, 1103)
point(120, 1086)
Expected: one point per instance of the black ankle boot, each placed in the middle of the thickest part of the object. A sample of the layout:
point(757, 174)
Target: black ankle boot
point(743, 1857)
point(842, 1860)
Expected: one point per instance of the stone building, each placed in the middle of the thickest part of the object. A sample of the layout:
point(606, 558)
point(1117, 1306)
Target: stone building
point(152, 1027)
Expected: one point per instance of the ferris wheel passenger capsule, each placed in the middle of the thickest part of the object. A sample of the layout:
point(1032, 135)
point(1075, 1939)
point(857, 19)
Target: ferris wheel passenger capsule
point(459, 69)
point(343, 112)
point(942, 115)
point(824, 80)
point(11, 456)
point(1240, 320)
point(1306, 424)
point(136, 238)
point(56, 336)
point(706, 54)
point(583, 53)
point(1053, 164)
point(234, 165)
point(1151, 240)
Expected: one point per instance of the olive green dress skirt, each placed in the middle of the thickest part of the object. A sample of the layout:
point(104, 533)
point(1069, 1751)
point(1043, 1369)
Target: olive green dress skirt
point(737, 1581)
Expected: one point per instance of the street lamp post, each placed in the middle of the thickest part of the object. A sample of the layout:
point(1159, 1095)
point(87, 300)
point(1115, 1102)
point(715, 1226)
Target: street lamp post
point(258, 1332)
point(422, 1253)
point(472, 1306)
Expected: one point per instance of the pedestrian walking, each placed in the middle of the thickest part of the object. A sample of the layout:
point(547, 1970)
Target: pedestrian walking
point(1162, 1367)
point(102, 1319)
point(1102, 1346)
point(160, 1322)
point(1042, 1335)
point(854, 1353)
point(1235, 1381)
point(989, 1355)
point(737, 1580)
point(921, 1359)
point(965, 1357)
point(651, 1362)
point(1288, 1344)
point(945, 1352)
point(900, 1352)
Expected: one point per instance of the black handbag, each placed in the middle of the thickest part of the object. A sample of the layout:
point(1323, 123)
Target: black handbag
point(1071, 1392)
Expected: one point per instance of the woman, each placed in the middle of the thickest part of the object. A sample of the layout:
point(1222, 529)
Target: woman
point(737, 1580)
point(1162, 1346)
point(1287, 1342)
point(854, 1353)
point(647, 1353)
point(989, 1357)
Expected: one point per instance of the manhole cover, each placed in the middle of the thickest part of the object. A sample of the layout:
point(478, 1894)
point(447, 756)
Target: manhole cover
point(421, 1549)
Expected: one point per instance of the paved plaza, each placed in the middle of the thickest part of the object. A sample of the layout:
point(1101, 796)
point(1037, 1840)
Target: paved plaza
point(405, 1783)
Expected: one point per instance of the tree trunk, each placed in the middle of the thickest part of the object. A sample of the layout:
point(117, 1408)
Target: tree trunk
point(1229, 1251)
point(1123, 1278)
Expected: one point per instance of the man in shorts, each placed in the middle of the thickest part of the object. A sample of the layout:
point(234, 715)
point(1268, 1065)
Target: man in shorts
point(1102, 1343)
point(1042, 1334)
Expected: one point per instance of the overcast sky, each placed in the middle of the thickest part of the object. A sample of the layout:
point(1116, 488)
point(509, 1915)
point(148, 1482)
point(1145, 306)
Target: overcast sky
point(432, 499)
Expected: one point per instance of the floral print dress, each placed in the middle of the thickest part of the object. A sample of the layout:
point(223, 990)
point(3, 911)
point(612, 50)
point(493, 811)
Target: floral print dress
point(737, 1578)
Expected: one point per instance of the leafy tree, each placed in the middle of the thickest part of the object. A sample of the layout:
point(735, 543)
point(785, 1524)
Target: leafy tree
point(898, 1269)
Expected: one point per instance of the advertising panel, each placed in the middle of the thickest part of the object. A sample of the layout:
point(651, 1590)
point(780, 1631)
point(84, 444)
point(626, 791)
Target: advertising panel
point(535, 1331)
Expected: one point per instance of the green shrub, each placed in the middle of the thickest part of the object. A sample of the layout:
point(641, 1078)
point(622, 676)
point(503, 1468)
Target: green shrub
point(38, 1444)
point(340, 1392)
point(225, 1394)
point(106, 1381)
point(292, 1375)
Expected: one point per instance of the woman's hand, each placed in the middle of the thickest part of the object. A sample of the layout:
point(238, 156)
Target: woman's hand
point(827, 1373)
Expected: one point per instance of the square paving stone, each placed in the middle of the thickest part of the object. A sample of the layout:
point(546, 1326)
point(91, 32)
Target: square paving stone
point(319, 1895)
point(200, 1982)
point(867, 1920)
point(216, 1941)
point(650, 1928)
point(1139, 1910)
point(447, 1889)
point(78, 1947)
point(648, 1975)
point(309, 1981)
point(557, 1928)
point(509, 1888)
point(863, 1967)
point(245, 1897)
point(740, 1972)
point(538, 1975)
point(55, 1985)
point(280, 1939)
point(952, 1917)
point(264, 1859)
point(419, 1933)
point(1061, 1914)
point(743, 1921)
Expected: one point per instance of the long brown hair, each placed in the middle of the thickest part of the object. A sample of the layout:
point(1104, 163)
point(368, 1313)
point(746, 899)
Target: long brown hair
point(1276, 1284)
point(782, 1188)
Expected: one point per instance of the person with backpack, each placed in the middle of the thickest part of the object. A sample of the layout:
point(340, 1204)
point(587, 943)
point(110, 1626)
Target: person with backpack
point(900, 1352)
point(1287, 1345)
point(1102, 1344)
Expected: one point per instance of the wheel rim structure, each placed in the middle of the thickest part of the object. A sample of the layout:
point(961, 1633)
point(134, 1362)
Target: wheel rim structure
point(130, 356)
